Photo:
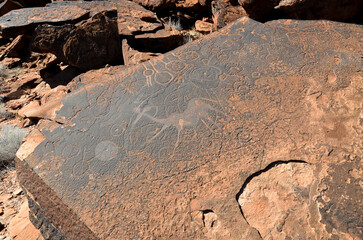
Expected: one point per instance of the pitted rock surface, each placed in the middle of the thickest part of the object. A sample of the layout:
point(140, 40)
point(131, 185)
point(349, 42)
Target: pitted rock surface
point(163, 149)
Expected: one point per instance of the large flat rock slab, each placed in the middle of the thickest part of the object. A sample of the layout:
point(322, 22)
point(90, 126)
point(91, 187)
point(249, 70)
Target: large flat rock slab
point(22, 21)
point(170, 148)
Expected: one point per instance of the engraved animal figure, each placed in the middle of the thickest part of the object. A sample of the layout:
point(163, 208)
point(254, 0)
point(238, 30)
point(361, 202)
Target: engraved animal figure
point(196, 110)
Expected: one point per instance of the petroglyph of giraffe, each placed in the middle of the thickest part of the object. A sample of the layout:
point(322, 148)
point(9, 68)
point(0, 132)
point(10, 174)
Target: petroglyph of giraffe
point(197, 109)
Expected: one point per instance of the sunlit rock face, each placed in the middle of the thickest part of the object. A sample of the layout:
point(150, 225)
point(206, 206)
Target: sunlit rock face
point(256, 119)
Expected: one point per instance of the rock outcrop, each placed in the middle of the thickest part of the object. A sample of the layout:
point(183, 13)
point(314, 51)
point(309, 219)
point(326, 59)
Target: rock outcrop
point(23, 21)
point(88, 45)
point(132, 18)
point(88, 35)
point(185, 145)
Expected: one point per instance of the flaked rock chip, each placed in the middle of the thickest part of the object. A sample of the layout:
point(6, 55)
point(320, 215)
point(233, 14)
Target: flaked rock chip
point(132, 18)
point(163, 149)
point(90, 44)
point(203, 26)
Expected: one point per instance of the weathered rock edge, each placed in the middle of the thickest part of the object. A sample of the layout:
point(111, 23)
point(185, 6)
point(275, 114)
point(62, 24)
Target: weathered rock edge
point(52, 207)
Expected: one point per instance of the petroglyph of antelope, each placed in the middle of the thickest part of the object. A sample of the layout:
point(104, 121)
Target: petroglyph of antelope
point(197, 109)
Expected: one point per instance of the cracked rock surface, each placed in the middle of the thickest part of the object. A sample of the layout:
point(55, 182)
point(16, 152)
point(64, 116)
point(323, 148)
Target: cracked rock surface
point(255, 118)
point(279, 202)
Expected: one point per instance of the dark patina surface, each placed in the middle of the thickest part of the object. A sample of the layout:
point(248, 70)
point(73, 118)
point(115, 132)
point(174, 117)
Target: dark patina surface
point(148, 148)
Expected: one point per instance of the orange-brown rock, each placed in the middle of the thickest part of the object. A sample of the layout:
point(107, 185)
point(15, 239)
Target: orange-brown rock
point(47, 108)
point(133, 57)
point(223, 13)
point(255, 118)
point(90, 44)
point(202, 26)
point(20, 227)
point(14, 211)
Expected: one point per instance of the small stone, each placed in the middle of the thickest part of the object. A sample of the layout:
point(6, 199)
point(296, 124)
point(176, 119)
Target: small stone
point(17, 192)
point(205, 27)
point(5, 197)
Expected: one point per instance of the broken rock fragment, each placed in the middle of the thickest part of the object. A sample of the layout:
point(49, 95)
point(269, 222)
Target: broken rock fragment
point(90, 44)
point(133, 57)
point(203, 26)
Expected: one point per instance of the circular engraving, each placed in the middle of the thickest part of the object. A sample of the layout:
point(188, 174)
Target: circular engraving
point(205, 76)
point(106, 150)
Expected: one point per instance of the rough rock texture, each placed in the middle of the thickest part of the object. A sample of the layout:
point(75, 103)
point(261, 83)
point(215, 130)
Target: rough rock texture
point(14, 211)
point(169, 148)
point(278, 202)
point(23, 21)
point(90, 44)
point(203, 26)
point(132, 18)
point(223, 13)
